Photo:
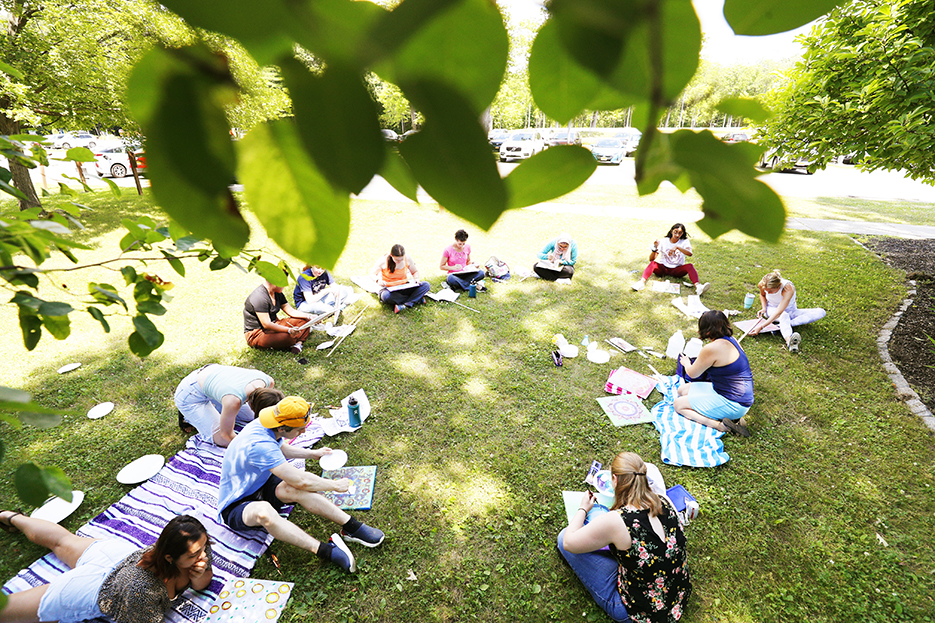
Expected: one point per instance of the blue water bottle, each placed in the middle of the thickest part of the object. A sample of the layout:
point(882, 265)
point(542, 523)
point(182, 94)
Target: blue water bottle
point(353, 412)
point(472, 291)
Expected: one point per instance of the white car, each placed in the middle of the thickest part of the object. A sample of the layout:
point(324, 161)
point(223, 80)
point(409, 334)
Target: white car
point(115, 162)
point(73, 139)
point(521, 144)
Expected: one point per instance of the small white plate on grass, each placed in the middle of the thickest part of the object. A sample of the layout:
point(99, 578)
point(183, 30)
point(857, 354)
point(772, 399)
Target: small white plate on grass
point(99, 411)
point(141, 469)
point(56, 509)
point(336, 460)
point(325, 345)
point(68, 367)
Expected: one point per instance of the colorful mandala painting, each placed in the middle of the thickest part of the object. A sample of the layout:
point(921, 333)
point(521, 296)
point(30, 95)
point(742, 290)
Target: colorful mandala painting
point(625, 409)
point(246, 600)
point(360, 495)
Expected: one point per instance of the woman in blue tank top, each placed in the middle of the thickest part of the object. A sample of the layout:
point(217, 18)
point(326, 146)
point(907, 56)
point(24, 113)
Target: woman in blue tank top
point(727, 395)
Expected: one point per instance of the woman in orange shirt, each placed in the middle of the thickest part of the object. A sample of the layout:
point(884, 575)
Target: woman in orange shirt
point(398, 269)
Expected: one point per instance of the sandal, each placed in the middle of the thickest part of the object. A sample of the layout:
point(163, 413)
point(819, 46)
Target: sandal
point(7, 525)
point(736, 427)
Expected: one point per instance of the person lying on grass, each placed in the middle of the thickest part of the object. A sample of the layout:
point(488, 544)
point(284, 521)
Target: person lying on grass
point(725, 398)
point(777, 298)
point(642, 575)
point(111, 577)
point(667, 259)
point(214, 398)
point(257, 481)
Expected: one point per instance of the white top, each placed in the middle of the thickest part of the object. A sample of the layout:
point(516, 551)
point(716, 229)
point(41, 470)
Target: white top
point(773, 300)
point(669, 254)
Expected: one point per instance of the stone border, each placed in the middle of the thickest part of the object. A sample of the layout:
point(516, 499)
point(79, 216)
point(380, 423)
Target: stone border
point(903, 391)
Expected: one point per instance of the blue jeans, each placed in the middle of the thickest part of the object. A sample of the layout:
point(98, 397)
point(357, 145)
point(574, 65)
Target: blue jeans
point(456, 281)
point(597, 570)
point(406, 298)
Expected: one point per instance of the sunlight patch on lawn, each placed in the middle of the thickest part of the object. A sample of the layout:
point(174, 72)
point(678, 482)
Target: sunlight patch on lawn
point(465, 334)
point(414, 365)
point(474, 362)
point(541, 324)
point(478, 388)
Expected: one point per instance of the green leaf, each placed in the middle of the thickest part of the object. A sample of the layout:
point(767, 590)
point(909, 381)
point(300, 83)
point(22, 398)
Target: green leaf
point(114, 189)
point(31, 326)
point(771, 16)
point(11, 71)
point(50, 226)
point(12, 190)
point(561, 87)
point(349, 148)
point(219, 263)
point(148, 331)
point(51, 308)
point(99, 316)
point(745, 107)
point(40, 420)
point(66, 190)
point(594, 31)
point(139, 346)
point(397, 173)
point(725, 177)
point(58, 326)
point(57, 482)
point(9, 394)
point(464, 46)
point(178, 97)
point(175, 263)
point(186, 242)
point(293, 201)
point(106, 294)
point(79, 154)
point(340, 31)
point(451, 158)
point(130, 275)
point(150, 307)
point(26, 300)
point(271, 273)
point(549, 174)
point(30, 484)
point(262, 27)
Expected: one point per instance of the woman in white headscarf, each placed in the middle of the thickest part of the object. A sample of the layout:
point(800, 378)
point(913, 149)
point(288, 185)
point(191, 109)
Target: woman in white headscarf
point(557, 259)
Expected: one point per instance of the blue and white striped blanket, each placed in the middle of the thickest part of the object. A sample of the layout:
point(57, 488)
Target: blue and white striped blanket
point(187, 484)
point(683, 441)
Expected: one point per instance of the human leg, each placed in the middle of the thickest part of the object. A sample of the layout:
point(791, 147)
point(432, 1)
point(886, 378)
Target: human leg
point(567, 272)
point(806, 316)
point(597, 570)
point(67, 546)
point(544, 273)
point(457, 283)
point(196, 408)
point(649, 270)
point(277, 340)
point(417, 294)
point(320, 306)
point(683, 407)
point(23, 607)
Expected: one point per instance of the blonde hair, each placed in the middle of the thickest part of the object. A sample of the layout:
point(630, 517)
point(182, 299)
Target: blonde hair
point(771, 280)
point(632, 487)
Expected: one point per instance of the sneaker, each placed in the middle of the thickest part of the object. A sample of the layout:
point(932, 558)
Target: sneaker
point(398, 308)
point(736, 427)
point(341, 555)
point(794, 340)
point(365, 535)
point(296, 348)
point(638, 285)
point(480, 286)
point(701, 288)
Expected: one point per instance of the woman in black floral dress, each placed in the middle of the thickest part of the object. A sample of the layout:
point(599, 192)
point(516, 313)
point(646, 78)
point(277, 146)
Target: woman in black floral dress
point(641, 575)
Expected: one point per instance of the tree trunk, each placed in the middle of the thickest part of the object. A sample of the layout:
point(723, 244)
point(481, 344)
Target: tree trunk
point(485, 120)
point(21, 178)
point(594, 119)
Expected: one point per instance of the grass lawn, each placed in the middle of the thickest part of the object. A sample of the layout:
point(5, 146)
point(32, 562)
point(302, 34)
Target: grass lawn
point(475, 432)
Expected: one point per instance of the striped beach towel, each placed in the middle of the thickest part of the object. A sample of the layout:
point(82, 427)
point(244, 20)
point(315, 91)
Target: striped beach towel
point(683, 441)
point(187, 484)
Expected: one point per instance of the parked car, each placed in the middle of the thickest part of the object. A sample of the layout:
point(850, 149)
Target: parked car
point(631, 139)
point(74, 139)
point(564, 137)
point(390, 136)
point(115, 162)
point(521, 144)
point(609, 150)
point(771, 159)
point(496, 138)
point(736, 137)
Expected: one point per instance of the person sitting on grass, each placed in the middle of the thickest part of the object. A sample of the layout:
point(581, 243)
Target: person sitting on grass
point(111, 577)
point(557, 259)
point(727, 395)
point(632, 559)
point(261, 328)
point(667, 259)
point(214, 398)
point(456, 258)
point(316, 292)
point(777, 298)
point(397, 269)
point(257, 481)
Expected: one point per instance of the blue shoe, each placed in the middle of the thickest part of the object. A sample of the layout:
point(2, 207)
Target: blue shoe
point(341, 555)
point(365, 535)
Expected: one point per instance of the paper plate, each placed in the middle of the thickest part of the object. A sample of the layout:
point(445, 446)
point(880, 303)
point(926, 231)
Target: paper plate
point(141, 469)
point(336, 460)
point(569, 351)
point(99, 411)
point(56, 509)
point(598, 356)
point(68, 367)
point(325, 345)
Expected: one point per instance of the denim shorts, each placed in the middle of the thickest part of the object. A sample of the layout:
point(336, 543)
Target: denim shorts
point(709, 403)
point(72, 596)
point(233, 513)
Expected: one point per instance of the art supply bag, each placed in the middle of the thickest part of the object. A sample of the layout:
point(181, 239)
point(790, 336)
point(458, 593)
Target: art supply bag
point(682, 374)
point(497, 269)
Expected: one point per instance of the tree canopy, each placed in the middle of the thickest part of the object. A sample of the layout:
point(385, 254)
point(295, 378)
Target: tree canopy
point(864, 86)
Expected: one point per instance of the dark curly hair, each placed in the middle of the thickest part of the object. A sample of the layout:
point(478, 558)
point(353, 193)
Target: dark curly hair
point(714, 324)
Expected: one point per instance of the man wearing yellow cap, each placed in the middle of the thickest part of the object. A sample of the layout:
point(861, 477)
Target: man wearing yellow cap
point(257, 480)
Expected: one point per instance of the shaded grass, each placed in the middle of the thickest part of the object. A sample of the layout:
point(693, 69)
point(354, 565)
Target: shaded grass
point(475, 432)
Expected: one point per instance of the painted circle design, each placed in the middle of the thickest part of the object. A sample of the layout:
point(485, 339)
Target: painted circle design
point(241, 593)
point(226, 605)
point(625, 409)
point(257, 588)
point(239, 583)
point(214, 609)
point(284, 588)
point(272, 613)
point(272, 598)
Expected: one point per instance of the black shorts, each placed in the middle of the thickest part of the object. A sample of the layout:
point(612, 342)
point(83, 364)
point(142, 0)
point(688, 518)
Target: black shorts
point(233, 513)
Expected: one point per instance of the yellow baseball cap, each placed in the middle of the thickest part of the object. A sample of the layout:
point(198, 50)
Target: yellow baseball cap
point(291, 411)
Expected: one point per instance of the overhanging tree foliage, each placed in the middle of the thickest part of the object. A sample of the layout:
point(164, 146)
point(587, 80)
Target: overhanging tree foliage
point(864, 86)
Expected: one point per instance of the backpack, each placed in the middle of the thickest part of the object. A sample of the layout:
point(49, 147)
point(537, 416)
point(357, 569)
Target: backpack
point(497, 269)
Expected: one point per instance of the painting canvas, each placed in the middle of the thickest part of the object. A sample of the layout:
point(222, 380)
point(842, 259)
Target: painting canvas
point(246, 600)
point(360, 494)
point(625, 409)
